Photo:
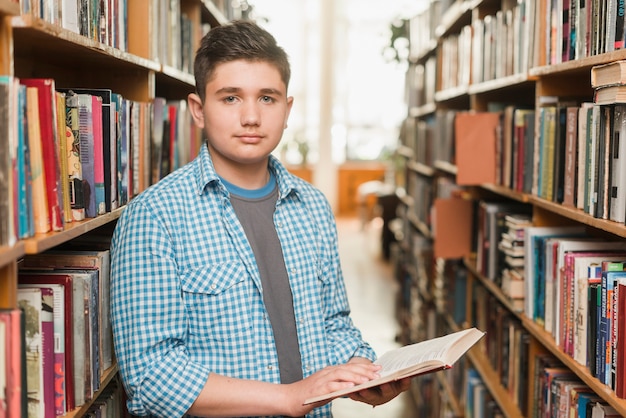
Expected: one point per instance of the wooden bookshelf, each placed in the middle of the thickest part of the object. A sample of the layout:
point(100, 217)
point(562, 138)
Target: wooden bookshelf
point(532, 74)
point(32, 47)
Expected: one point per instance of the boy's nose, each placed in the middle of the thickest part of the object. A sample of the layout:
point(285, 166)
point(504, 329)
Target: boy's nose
point(250, 114)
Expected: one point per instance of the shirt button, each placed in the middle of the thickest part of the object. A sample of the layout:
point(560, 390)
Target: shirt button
point(293, 270)
point(279, 224)
point(270, 367)
point(213, 286)
point(308, 367)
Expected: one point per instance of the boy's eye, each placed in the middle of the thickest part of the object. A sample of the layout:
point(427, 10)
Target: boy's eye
point(230, 99)
point(267, 99)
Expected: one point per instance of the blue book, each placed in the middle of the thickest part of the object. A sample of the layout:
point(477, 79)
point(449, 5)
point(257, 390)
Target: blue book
point(610, 272)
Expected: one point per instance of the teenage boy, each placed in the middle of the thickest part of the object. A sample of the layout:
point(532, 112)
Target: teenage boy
point(227, 297)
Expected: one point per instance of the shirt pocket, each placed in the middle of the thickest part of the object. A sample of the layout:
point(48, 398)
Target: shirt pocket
point(217, 299)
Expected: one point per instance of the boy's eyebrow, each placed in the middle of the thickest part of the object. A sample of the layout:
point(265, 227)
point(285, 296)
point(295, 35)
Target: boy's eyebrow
point(267, 90)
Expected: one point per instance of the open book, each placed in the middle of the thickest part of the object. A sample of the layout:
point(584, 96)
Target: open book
point(412, 360)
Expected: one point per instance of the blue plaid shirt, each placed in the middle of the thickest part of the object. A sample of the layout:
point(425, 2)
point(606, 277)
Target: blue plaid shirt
point(186, 296)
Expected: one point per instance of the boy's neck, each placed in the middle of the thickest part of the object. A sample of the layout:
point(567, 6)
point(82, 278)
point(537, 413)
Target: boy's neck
point(250, 177)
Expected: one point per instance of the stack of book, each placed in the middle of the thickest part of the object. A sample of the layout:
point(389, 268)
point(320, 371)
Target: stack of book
point(512, 247)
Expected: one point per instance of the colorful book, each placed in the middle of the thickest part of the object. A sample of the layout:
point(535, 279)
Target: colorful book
point(78, 186)
point(41, 216)
point(46, 99)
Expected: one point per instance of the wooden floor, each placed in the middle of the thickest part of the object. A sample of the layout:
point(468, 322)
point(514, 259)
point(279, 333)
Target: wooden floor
point(372, 293)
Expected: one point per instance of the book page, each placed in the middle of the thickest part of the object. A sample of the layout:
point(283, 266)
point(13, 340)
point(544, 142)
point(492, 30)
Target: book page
point(415, 359)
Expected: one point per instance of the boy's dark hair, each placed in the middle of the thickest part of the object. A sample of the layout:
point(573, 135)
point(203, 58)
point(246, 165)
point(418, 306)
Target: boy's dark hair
point(237, 40)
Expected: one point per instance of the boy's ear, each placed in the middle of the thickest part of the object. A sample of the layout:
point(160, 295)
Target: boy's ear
point(195, 107)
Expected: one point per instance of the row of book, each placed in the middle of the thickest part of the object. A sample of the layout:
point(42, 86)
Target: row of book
point(526, 34)
point(506, 345)
point(559, 393)
point(59, 338)
point(575, 30)
point(479, 402)
point(575, 158)
point(489, 48)
point(573, 283)
point(563, 279)
point(79, 153)
point(104, 20)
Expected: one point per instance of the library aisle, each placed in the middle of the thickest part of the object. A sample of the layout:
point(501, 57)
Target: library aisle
point(372, 293)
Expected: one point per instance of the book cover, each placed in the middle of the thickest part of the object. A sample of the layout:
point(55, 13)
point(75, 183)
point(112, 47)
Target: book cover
point(63, 315)
point(29, 300)
point(78, 186)
point(610, 272)
point(62, 153)
point(428, 356)
point(584, 121)
point(547, 140)
point(109, 143)
point(87, 152)
point(46, 99)
point(606, 95)
point(611, 73)
point(620, 376)
point(529, 152)
point(475, 145)
point(98, 155)
point(603, 174)
point(15, 388)
point(123, 148)
point(617, 209)
point(570, 167)
point(41, 216)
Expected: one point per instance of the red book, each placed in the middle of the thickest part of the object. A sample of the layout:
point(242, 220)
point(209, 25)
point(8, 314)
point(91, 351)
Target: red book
point(49, 147)
point(98, 151)
point(15, 391)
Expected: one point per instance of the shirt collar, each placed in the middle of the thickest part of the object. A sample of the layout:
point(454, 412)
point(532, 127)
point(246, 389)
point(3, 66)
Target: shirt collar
point(206, 176)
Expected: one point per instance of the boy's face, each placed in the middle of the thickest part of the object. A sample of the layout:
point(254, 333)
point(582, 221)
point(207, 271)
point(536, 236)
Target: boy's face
point(244, 113)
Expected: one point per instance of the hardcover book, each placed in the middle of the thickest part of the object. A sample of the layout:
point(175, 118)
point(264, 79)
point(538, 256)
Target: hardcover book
point(46, 99)
point(609, 74)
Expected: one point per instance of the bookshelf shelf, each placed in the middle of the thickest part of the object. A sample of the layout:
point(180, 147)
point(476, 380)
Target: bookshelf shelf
point(455, 93)
point(424, 110)
point(8, 254)
point(36, 36)
point(107, 377)
point(500, 395)
point(421, 168)
point(445, 166)
point(504, 83)
point(42, 242)
point(582, 65)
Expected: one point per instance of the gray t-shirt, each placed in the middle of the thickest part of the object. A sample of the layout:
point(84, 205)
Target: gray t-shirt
point(255, 210)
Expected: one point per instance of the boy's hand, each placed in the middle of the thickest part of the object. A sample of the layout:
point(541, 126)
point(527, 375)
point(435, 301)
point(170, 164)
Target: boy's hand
point(381, 394)
point(330, 379)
